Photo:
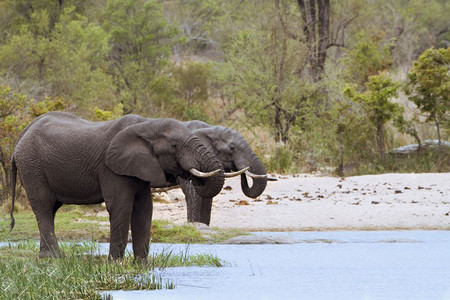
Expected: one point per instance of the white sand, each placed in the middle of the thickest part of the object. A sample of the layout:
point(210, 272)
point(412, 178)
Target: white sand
point(308, 202)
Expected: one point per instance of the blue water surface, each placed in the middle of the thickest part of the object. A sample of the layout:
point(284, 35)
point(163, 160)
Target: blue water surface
point(325, 265)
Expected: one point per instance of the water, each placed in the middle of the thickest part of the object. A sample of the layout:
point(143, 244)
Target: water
point(328, 265)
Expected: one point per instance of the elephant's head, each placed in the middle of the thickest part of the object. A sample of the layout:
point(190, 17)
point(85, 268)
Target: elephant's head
point(157, 150)
point(236, 156)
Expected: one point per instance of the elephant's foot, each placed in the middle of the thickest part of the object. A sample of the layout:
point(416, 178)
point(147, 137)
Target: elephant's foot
point(116, 254)
point(49, 248)
point(142, 261)
point(48, 253)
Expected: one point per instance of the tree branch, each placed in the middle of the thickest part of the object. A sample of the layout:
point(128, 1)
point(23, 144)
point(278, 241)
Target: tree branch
point(283, 23)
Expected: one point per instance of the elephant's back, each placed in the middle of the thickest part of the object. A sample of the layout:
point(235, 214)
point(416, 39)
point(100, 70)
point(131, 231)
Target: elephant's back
point(64, 135)
point(195, 124)
point(58, 124)
point(53, 127)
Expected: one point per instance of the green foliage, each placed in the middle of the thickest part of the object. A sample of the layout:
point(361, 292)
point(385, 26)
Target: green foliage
point(429, 85)
point(430, 21)
point(376, 103)
point(407, 127)
point(66, 59)
point(425, 161)
point(16, 111)
point(429, 77)
point(193, 81)
point(12, 121)
point(106, 115)
point(196, 112)
point(20, 12)
point(150, 56)
point(208, 24)
point(163, 233)
point(262, 74)
point(140, 40)
point(376, 100)
point(80, 223)
point(164, 102)
point(351, 135)
point(281, 160)
point(368, 55)
point(42, 107)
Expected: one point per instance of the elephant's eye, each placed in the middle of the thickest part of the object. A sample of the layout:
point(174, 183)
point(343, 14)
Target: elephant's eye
point(174, 145)
point(231, 147)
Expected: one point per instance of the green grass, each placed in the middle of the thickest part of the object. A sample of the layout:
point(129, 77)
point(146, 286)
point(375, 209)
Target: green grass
point(69, 225)
point(82, 272)
point(164, 232)
point(424, 162)
point(77, 223)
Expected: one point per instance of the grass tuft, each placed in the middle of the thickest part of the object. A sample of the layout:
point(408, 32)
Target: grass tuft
point(424, 162)
point(164, 232)
point(75, 224)
point(167, 259)
point(82, 273)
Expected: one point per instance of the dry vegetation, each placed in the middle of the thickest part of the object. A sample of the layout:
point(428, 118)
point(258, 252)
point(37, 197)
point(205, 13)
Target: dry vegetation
point(309, 96)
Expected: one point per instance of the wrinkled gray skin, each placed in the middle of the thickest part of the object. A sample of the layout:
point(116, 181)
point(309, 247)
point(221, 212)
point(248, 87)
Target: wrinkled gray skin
point(235, 154)
point(63, 159)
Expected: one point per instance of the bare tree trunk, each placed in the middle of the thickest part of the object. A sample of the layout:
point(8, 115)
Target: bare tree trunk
point(419, 142)
point(380, 136)
point(278, 125)
point(324, 34)
point(316, 29)
point(281, 130)
point(341, 154)
point(438, 129)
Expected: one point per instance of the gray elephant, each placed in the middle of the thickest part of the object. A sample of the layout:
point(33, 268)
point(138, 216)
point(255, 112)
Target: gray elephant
point(63, 159)
point(236, 156)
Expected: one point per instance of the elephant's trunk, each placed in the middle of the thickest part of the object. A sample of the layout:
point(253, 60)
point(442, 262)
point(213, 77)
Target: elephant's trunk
point(259, 184)
point(207, 187)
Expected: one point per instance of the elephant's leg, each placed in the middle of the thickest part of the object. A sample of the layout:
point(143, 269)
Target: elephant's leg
point(141, 220)
point(118, 193)
point(119, 219)
point(205, 214)
point(45, 216)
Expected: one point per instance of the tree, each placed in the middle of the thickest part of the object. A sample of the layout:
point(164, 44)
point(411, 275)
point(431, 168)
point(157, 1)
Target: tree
point(193, 81)
point(11, 124)
point(64, 60)
point(344, 116)
point(313, 29)
point(377, 105)
point(367, 55)
point(408, 127)
point(261, 73)
point(16, 111)
point(141, 41)
point(429, 86)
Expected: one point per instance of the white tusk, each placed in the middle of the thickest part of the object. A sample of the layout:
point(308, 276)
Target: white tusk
point(233, 174)
point(255, 175)
point(197, 173)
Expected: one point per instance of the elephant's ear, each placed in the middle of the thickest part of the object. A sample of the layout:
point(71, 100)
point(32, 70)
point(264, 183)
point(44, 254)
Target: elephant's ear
point(129, 154)
point(207, 136)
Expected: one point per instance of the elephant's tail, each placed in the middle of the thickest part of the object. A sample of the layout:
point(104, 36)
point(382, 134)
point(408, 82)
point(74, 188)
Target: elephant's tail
point(13, 190)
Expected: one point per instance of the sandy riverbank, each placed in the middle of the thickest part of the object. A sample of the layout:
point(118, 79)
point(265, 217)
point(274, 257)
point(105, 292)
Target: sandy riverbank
point(309, 202)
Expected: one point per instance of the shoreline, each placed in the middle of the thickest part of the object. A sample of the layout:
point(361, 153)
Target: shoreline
point(305, 202)
point(250, 230)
